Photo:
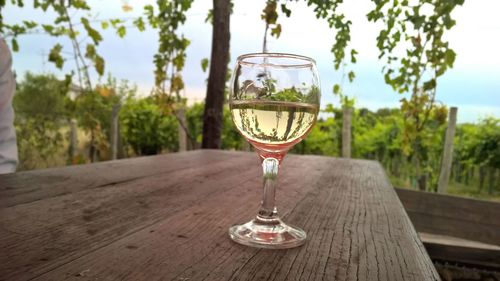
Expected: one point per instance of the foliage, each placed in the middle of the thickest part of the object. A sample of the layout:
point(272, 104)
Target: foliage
point(41, 97)
point(327, 10)
point(477, 148)
point(324, 138)
point(64, 26)
point(94, 110)
point(231, 138)
point(292, 94)
point(487, 149)
point(38, 143)
point(41, 106)
point(270, 17)
point(194, 117)
point(479, 144)
point(171, 54)
point(78, 33)
point(146, 129)
point(407, 141)
point(417, 29)
point(420, 28)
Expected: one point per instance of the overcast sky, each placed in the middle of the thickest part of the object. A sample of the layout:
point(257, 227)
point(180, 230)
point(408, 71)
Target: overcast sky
point(473, 85)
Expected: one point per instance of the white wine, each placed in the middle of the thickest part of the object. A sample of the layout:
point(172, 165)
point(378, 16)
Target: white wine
point(273, 124)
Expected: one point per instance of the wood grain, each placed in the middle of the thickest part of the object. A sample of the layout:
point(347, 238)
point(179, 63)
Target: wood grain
point(460, 251)
point(471, 219)
point(170, 222)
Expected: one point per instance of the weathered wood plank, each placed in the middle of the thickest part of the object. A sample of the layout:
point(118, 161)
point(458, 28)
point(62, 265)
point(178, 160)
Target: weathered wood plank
point(454, 241)
point(457, 250)
point(25, 187)
point(473, 257)
point(172, 225)
point(70, 225)
point(470, 219)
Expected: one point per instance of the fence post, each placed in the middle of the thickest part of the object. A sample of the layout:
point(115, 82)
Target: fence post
point(73, 145)
point(114, 131)
point(444, 175)
point(246, 145)
point(346, 132)
point(181, 115)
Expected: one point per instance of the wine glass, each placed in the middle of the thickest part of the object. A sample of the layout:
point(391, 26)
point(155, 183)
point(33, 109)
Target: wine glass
point(274, 102)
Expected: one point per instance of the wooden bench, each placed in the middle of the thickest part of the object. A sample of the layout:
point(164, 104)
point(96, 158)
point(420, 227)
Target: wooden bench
point(456, 229)
point(166, 218)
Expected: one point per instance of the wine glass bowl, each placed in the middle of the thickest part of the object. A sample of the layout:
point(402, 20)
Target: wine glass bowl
point(274, 102)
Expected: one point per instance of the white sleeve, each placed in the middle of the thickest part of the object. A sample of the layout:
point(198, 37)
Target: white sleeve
point(8, 145)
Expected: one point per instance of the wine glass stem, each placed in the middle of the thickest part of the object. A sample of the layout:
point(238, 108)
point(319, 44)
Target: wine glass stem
point(268, 209)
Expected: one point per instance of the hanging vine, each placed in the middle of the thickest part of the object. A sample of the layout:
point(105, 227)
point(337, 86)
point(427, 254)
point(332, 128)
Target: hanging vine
point(170, 57)
point(326, 10)
point(416, 30)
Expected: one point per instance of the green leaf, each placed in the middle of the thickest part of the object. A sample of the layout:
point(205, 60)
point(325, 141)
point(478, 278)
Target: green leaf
point(121, 31)
point(429, 85)
point(276, 31)
point(93, 34)
point(210, 16)
point(68, 78)
point(285, 10)
point(115, 22)
point(30, 24)
point(269, 13)
point(139, 23)
point(336, 89)
point(15, 46)
point(179, 61)
point(204, 64)
point(104, 24)
point(450, 56)
point(351, 76)
point(80, 4)
point(353, 55)
point(55, 56)
point(48, 28)
point(99, 65)
point(90, 51)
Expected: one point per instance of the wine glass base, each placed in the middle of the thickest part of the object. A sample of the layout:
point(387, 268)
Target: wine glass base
point(270, 235)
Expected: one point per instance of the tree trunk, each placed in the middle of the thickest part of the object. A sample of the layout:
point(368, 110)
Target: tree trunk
point(444, 175)
point(212, 116)
point(346, 132)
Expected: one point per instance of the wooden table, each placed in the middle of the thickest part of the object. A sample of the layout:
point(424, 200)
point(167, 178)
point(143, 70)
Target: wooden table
point(166, 218)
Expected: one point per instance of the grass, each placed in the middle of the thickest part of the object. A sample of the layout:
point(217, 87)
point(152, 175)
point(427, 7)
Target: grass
point(455, 188)
point(472, 191)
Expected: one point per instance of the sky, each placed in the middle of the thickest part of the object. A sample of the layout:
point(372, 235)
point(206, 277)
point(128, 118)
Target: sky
point(473, 85)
